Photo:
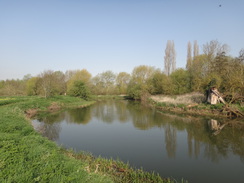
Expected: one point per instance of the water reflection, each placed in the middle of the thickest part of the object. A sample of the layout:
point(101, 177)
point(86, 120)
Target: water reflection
point(170, 140)
point(215, 126)
point(51, 131)
point(110, 122)
point(200, 133)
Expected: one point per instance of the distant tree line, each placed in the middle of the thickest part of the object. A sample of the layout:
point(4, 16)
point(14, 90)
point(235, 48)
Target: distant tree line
point(212, 67)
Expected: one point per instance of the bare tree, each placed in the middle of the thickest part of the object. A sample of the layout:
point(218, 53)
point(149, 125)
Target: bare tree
point(195, 49)
point(241, 56)
point(169, 58)
point(51, 83)
point(46, 82)
point(214, 48)
point(189, 57)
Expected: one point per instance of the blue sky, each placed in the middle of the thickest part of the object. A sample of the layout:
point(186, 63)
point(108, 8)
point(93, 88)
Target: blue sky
point(117, 35)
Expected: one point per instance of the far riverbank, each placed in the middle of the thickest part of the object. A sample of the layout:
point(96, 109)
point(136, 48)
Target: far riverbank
point(191, 104)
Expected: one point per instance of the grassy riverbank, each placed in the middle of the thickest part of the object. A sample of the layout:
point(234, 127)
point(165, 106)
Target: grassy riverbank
point(192, 104)
point(26, 156)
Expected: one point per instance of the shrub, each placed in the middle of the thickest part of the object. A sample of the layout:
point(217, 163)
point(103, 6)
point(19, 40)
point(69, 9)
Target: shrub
point(79, 89)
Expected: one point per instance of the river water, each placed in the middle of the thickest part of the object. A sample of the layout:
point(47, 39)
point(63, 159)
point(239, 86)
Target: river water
point(195, 149)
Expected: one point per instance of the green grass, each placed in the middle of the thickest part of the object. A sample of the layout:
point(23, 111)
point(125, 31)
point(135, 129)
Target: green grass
point(26, 156)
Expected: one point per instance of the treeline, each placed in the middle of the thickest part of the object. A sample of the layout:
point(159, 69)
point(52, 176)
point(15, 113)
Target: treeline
point(211, 68)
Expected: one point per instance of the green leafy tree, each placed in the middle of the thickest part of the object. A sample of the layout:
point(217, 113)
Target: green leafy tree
point(79, 89)
point(122, 81)
point(180, 80)
point(161, 84)
point(140, 81)
point(78, 75)
point(31, 86)
point(104, 83)
point(12, 87)
point(51, 83)
point(198, 72)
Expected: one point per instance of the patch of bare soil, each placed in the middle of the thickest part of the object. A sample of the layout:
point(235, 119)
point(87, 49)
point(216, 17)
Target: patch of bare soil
point(54, 107)
point(30, 113)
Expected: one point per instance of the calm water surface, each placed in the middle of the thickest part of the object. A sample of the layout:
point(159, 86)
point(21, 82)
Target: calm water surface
point(173, 146)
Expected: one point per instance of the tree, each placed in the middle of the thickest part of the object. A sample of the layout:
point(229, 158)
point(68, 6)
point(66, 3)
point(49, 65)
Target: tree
point(161, 84)
point(212, 49)
point(31, 86)
point(59, 83)
point(51, 83)
point(79, 89)
point(12, 87)
point(234, 77)
point(241, 56)
point(169, 58)
point(139, 84)
point(46, 83)
point(189, 56)
point(122, 81)
point(78, 75)
point(180, 81)
point(104, 83)
point(195, 49)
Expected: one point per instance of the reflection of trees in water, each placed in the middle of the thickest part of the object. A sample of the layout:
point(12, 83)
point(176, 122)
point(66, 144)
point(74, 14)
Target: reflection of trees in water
point(105, 111)
point(79, 116)
point(122, 111)
point(170, 140)
point(51, 131)
point(142, 117)
point(199, 133)
point(51, 117)
point(193, 145)
point(49, 125)
point(110, 111)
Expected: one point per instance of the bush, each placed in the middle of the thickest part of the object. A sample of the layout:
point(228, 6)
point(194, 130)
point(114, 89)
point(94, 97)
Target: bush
point(79, 89)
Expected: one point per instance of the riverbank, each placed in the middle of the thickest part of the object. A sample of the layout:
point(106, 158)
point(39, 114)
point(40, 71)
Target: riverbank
point(26, 156)
point(192, 104)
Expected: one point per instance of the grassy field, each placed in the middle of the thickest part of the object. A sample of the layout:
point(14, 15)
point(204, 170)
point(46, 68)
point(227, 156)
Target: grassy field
point(26, 156)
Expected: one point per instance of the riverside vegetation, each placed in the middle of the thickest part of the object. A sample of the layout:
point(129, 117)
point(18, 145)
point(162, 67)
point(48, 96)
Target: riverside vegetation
point(194, 104)
point(26, 156)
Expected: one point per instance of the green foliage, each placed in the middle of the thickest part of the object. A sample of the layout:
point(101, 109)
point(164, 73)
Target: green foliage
point(104, 83)
point(134, 91)
point(31, 86)
point(140, 84)
point(79, 89)
point(181, 81)
point(12, 87)
point(122, 81)
point(51, 83)
point(160, 84)
point(78, 75)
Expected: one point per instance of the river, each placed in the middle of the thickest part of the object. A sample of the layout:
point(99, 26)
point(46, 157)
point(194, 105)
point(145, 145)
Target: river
point(199, 150)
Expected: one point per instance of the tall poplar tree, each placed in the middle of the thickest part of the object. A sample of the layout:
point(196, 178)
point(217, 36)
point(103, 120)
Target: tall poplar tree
point(195, 49)
point(170, 58)
point(189, 56)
